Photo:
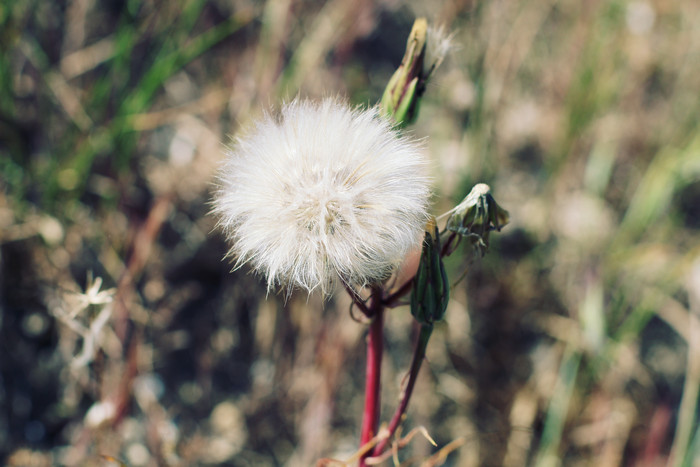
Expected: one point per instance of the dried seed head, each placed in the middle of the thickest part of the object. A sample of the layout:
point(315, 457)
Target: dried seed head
point(322, 191)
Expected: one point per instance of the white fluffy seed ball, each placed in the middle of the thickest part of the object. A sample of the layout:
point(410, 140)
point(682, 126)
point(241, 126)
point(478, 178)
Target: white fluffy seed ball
point(323, 191)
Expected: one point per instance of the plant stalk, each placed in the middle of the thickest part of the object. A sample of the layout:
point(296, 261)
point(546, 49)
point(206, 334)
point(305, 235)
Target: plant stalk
point(418, 356)
point(375, 348)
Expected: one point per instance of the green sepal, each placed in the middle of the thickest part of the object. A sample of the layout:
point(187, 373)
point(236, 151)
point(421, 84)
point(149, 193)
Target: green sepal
point(407, 111)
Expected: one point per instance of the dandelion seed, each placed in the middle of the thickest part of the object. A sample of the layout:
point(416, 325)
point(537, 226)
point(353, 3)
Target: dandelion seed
point(437, 45)
point(322, 191)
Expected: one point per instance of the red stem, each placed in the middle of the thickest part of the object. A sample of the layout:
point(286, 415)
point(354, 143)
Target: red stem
point(375, 347)
point(418, 356)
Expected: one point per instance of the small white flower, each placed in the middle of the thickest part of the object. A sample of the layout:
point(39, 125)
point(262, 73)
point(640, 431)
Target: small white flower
point(323, 191)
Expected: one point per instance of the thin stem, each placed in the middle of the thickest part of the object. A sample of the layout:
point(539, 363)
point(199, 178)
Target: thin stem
point(448, 248)
point(418, 356)
point(357, 300)
point(375, 348)
point(391, 300)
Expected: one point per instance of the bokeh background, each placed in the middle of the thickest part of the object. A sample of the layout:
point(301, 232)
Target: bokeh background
point(123, 334)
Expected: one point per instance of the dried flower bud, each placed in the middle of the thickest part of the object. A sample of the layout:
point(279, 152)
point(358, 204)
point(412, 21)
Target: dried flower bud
point(476, 216)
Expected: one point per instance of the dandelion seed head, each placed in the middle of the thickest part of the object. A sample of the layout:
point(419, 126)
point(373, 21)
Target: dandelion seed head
point(319, 191)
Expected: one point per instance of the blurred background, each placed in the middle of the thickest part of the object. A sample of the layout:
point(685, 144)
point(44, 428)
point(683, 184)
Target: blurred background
point(123, 334)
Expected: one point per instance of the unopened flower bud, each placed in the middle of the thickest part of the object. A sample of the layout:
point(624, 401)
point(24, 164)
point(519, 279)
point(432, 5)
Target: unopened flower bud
point(400, 97)
point(425, 50)
point(431, 288)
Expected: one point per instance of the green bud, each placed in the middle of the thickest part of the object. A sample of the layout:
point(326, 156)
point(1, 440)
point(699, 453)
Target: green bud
point(476, 216)
point(431, 288)
point(400, 99)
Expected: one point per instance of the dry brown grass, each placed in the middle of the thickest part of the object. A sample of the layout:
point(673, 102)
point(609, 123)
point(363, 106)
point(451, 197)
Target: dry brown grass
point(567, 345)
